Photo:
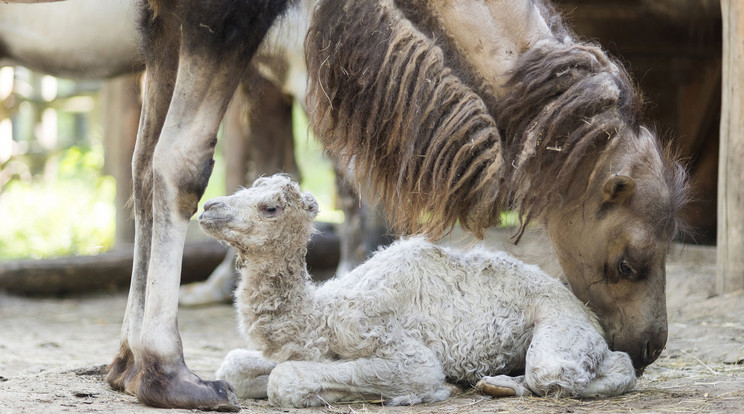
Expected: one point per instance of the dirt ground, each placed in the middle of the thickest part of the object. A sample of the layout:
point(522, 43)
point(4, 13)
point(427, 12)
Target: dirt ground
point(53, 352)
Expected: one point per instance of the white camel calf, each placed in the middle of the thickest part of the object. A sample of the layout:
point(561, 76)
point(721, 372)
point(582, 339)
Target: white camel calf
point(404, 324)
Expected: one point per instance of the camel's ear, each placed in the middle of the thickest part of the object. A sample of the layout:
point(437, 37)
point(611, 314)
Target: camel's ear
point(308, 201)
point(618, 189)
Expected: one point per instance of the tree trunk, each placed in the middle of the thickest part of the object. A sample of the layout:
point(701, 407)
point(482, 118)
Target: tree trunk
point(107, 271)
point(730, 243)
point(111, 270)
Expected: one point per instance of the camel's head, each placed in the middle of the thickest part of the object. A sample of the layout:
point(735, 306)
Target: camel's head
point(271, 214)
point(613, 246)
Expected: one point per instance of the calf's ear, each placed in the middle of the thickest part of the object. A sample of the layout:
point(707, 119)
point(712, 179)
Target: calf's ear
point(618, 189)
point(311, 206)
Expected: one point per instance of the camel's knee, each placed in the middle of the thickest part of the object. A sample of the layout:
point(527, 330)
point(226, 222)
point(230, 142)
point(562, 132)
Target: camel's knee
point(556, 379)
point(600, 374)
point(552, 370)
point(180, 175)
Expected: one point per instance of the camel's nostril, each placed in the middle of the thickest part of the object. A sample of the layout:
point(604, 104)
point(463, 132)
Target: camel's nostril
point(646, 351)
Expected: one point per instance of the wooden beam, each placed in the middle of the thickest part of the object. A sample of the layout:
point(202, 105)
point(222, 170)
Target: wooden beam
point(730, 243)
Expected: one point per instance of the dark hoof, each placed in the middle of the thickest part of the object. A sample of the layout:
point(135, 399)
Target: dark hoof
point(190, 392)
point(158, 385)
point(121, 370)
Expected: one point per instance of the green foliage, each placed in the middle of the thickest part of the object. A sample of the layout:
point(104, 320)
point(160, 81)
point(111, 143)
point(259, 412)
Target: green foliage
point(316, 168)
point(72, 214)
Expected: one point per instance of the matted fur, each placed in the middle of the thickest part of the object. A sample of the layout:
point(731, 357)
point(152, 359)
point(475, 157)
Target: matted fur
point(414, 124)
point(566, 104)
point(424, 138)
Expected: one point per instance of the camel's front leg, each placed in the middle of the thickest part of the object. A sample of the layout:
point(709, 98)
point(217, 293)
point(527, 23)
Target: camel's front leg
point(161, 73)
point(172, 173)
point(191, 77)
point(182, 163)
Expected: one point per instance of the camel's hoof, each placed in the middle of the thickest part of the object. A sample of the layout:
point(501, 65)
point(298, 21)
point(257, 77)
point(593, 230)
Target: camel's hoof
point(188, 392)
point(157, 385)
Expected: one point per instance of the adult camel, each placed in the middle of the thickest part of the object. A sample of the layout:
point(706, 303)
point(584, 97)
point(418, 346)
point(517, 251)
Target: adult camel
point(453, 111)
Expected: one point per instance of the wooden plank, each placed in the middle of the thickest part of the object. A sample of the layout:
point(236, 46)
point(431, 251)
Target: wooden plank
point(730, 243)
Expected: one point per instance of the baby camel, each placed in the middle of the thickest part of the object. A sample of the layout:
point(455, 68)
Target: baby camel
point(404, 324)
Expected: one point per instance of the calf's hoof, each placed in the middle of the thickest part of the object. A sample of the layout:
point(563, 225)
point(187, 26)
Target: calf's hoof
point(502, 386)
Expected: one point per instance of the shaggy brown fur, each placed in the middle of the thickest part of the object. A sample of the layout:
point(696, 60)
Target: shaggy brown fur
point(566, 104)
point(422, 137)
point(428, 135)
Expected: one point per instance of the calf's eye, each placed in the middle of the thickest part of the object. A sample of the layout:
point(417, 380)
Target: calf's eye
point(269, 210)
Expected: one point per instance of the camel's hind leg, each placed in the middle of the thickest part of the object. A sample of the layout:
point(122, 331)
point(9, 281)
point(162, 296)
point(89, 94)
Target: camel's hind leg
point(566, 357)
point(171, 174)
point(257, 140)
point(615, 376)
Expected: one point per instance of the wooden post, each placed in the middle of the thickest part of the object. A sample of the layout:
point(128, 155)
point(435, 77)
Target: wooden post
point(122, 106)
point(730, 251)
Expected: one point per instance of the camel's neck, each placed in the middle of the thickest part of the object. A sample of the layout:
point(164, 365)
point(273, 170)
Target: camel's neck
point(273, 281)
point(273, 298)
point(504, 29)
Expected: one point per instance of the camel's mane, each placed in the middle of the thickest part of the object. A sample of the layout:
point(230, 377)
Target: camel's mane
point(433, 150)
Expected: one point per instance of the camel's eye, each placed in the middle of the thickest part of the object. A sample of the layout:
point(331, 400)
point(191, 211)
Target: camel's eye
point(270, 210)
point(627, 270)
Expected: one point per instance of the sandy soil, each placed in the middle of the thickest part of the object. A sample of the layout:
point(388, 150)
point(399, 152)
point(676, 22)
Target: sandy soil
point(53, 352)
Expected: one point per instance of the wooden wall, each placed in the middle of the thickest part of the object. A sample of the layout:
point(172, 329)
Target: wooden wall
point(673, 50)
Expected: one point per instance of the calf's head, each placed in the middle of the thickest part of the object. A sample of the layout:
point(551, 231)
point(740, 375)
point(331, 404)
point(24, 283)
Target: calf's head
point(271, 214)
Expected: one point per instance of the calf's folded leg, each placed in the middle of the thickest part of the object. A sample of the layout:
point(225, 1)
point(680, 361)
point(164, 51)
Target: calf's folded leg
point(568, 357)
point(247, 372)
point(417, 377)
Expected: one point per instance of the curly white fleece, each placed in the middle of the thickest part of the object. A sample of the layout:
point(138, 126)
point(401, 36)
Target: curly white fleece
point(402, 325)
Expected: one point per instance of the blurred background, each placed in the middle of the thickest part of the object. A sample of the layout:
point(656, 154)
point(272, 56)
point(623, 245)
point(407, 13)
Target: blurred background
point(65, 145)
point(58, 173)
